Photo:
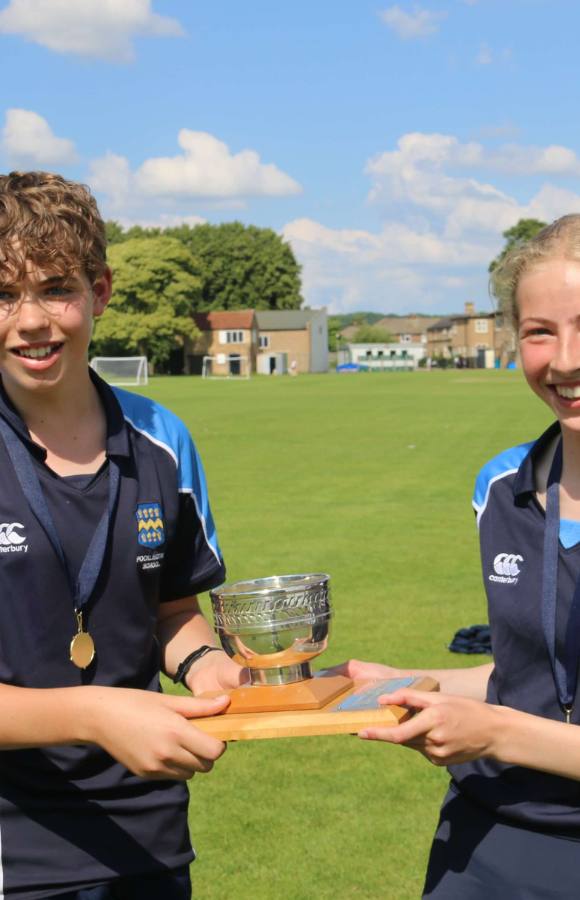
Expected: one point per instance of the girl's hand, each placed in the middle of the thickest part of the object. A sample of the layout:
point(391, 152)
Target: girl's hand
point(364, 671)
point(447, 729)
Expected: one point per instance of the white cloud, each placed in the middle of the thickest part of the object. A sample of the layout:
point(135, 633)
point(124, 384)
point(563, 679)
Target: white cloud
point(428, 171)
point(410, 25)
point(111, 175)
point(28, 140)
point(485, 56)
point(100, 29)
point(418, 150)
point(517, 160)
point(163, 220)
point(395, 243)
point(206, 169)
point(506, 130)
point(551, 202)
point(394, 269)
point(442, 225)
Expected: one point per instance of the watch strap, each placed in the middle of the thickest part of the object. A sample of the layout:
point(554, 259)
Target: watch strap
point(186, 664)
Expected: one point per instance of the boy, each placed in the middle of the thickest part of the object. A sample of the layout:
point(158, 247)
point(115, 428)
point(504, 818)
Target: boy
point(106, 538)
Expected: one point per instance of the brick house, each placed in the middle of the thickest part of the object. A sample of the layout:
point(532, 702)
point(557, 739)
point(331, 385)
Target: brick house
point(244, 341)
point(300, 334)
point(230, 337)
point(410, 329)
point(475, 338)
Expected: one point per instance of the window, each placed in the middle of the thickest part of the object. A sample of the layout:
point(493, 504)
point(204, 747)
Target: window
point(264, 341)
point(406, 339)
point(481, 326)
point(234, 337)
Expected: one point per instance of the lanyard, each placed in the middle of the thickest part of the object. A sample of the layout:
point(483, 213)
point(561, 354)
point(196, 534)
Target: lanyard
point(82, 586)
point(566, 671)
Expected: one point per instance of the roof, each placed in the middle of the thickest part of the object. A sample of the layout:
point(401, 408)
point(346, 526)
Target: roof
point(449, 321)
point(284, 319)
point(441, 324)
point(395, 325)
point(406, 324)
point(230, 318)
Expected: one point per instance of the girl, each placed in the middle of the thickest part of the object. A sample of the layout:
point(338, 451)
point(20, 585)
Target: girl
point(510, 824)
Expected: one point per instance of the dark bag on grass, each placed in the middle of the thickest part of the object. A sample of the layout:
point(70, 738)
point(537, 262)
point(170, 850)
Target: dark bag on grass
point(475, 639)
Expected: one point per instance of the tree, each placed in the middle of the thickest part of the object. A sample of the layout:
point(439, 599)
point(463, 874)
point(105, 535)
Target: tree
point(244, 267)
point(115, 232)
point(335, 325)
point(156, 285)
point(519, 233)
point(372, 334)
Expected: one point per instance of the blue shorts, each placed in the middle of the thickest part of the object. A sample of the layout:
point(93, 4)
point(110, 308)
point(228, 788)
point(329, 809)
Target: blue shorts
point(174, 885)
point(476, 856)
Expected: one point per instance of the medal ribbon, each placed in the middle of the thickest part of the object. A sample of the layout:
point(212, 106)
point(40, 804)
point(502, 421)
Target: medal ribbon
point(81, 587)
point(566, 672)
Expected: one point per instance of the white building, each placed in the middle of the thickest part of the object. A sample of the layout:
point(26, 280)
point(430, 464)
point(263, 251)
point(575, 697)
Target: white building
point(397, 357)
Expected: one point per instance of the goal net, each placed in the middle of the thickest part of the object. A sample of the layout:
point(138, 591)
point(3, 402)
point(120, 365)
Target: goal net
point(121, 370)
point(233, 365)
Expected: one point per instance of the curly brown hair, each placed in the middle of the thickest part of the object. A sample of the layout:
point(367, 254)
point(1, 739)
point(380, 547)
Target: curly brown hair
point(560, 239)
point(52, 222)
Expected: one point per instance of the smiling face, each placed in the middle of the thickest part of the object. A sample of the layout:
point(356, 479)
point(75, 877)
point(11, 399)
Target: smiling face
point(548, 301)
point(45, 328)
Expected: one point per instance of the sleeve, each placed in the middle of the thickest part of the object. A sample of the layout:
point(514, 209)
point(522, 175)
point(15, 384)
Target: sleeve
point(194, 562)
point(506, 463)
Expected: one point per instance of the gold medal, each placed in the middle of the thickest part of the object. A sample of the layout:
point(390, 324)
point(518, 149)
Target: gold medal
point(82, 646)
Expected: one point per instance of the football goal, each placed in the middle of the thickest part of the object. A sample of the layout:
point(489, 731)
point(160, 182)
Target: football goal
point(121, 370)
point(232, 365)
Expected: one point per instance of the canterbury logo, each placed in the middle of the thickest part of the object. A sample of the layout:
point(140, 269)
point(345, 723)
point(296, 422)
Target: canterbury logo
point(507, 564)
point(9, 535)
point(506, 568)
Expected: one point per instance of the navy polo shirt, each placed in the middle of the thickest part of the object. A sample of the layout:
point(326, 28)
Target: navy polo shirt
point(511, 527)
point(72, 816)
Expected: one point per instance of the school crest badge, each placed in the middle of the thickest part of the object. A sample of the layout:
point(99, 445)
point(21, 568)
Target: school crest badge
point(150, 525)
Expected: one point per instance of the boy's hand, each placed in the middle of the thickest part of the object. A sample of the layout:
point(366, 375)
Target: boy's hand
point(150, 734)
point(215, 672)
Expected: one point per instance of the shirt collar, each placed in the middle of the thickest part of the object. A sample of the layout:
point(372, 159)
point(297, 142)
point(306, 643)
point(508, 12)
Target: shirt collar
point(117, 435)
point(525, 480)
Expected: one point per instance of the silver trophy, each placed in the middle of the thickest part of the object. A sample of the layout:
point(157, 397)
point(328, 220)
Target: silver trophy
point(274, 626)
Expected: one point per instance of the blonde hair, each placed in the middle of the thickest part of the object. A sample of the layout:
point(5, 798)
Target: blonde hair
point(53, 222)
point(560, 239)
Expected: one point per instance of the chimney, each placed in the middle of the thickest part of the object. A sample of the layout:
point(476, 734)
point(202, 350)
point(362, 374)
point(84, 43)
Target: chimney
point(470, 309)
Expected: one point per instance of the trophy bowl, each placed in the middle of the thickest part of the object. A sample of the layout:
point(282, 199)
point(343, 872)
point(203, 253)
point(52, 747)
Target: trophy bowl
point(274, 626)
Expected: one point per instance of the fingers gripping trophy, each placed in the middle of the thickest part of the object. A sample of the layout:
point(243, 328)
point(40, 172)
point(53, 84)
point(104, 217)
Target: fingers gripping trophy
point(275, 627)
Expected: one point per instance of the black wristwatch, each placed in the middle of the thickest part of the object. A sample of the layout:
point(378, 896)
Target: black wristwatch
point(184, 667)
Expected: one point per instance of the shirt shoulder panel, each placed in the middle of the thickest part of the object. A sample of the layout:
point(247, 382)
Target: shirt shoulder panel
point(501, 466)
point(163, 428)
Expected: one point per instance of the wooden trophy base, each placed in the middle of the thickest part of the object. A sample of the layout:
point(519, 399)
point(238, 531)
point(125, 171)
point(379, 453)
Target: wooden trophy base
point(329, 704)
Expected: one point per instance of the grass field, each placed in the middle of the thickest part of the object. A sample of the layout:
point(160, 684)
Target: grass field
point(368, 478)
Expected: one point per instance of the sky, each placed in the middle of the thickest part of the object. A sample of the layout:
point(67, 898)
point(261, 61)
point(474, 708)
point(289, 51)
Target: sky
point(389, 144)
